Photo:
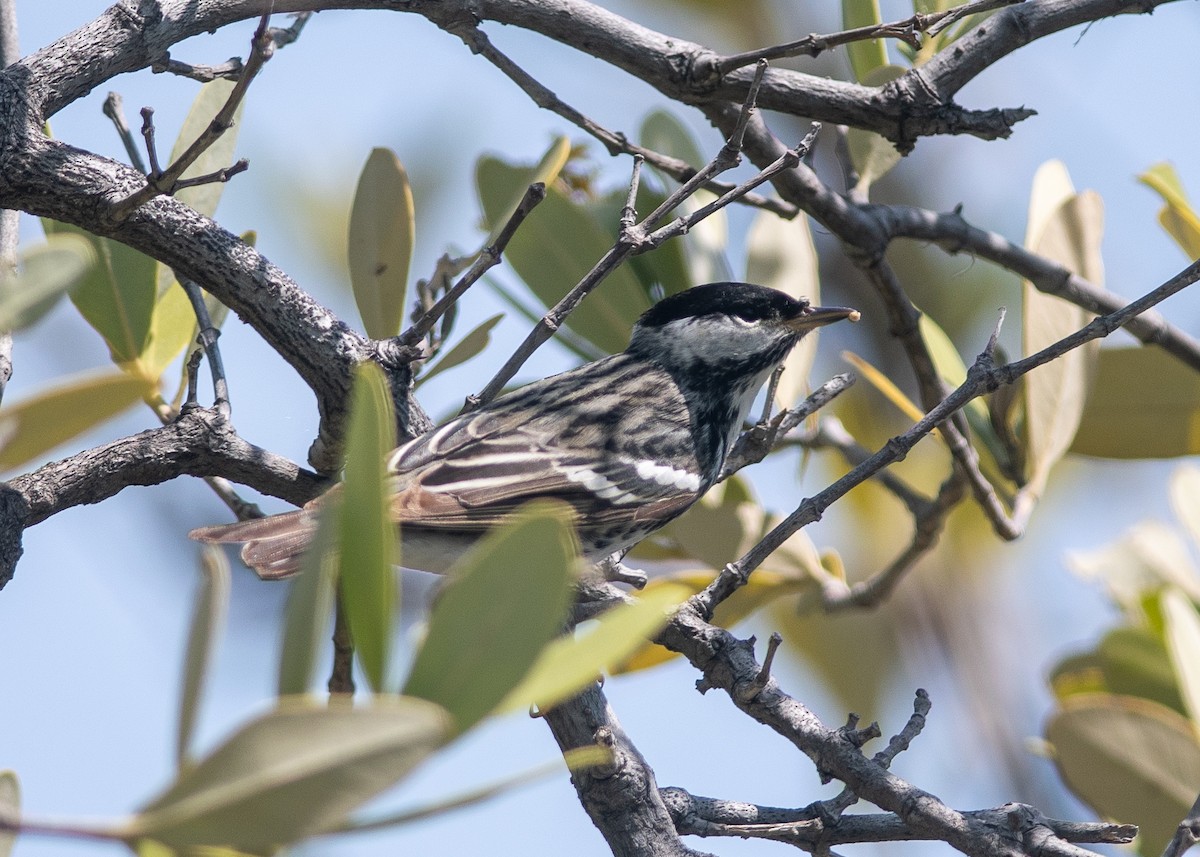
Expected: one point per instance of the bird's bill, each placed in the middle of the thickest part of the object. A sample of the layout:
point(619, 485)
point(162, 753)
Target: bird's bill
point(818, 316)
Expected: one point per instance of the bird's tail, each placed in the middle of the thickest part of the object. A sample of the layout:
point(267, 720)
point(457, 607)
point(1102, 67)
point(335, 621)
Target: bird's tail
point(272, 546)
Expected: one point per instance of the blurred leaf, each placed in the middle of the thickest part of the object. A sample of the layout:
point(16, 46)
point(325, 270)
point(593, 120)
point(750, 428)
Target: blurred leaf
point(555, 248)
point(764, 587)
point(570, 664)
point(1144, 403)
point(1079, 673)
point(368, 545)
point(469, 346)
point(382, 231)
point(1065, 227)
point(884, 384)
point(1128, 759)
point(1135, 662)
point(504, 190)
point(508, 597)
point(664, 270)
point(780, 254)
point(872, 155)
point(117, 295)
point(291, 773)
point(10, 808)
point(1145, 559)
point(309, 608)
point(46, 272)
point(1182, 633)
point(1185, 499)
point(209, 101)
point(865, 56)
point(662, 131)
point(723, 525)
point(1177, 215)
point(36, 425)
point(208, 619)
point(172, 327)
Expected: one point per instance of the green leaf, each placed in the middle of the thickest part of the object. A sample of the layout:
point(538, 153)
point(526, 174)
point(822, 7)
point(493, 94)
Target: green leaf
point(1144, 403)
point(1065, 227)
point(572, 663)
point(1135, 662)
point(10, 808)
point(117, 295)
point(368, 545)
point(507, 598)
point(555, 248)
point(865, 56)
point(33, 427)
point(309, 608)
point(664, 269)
point(207, 621)
point(662, 131)
point(209, 101)
point(291, 773)
point(172, 327)
point(873, 155)
point(504, 192)
point(46, 272)
point(1177, 215)
point(780, 254)
point(1182, 633)
point(382, 231)
point(469, 346)
point(1129, 759)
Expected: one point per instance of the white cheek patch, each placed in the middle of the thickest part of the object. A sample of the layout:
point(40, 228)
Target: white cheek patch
point(667, 476)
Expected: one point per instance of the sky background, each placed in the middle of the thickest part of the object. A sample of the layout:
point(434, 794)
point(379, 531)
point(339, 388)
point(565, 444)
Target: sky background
point(94, 623)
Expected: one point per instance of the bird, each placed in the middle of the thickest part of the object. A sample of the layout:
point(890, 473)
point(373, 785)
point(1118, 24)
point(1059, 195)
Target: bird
point(628, 442)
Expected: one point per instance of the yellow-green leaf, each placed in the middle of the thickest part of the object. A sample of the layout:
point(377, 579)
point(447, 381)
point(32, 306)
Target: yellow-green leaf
point(117, 295)
point(10, 808)
point(555, 247)
point(466, 348)
point(507, 599)
point(1135, 662)
point(382, 231)
point(33, 427)
point(367, 543)
point(780, 254)
point(502, 194)
point(1129, 759)
point(45, 273)
point(172, 327)
point(309, 608)
point(207, 621)
point(1177, 215)
point(570, 664)
point(868, 55)
point(208, 102)
point(291, 773)
point(1182, 633)
point(873, 155)
point(1065, 227)
point(1144, 403)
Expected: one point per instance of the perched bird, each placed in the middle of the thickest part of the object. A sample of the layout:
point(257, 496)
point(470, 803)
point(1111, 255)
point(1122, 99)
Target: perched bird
point(629, 441)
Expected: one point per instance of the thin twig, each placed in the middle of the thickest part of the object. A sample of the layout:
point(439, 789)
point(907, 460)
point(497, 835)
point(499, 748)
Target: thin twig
point(1186, 835)
point(208, 341)
point(114, 110)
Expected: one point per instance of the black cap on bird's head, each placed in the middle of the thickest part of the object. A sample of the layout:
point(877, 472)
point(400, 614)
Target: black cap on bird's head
point(744, 301)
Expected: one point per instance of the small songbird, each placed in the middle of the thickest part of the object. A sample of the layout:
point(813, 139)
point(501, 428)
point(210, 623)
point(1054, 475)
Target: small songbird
point(629, 442)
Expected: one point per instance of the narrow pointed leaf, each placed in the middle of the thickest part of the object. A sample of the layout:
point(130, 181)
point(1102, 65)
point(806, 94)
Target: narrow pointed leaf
point(466, 348)
point(572, 663)
point(780, 254)
point(507, 599)
point(1066, 227)
point(1182, 632)
point(865, 56)
point(873, 155)
point(33, 427)
point(368, 549)
point(309, 610)
point(47, 271)
point(208, 102)
point(117, 295)
point(382, 231)
point(10, 808)
point(1177, 215)
point(291, 773)
point(208, 619)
